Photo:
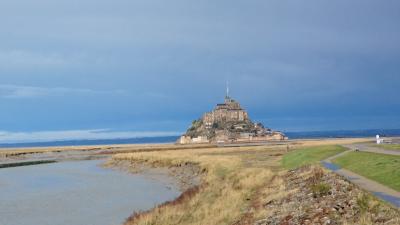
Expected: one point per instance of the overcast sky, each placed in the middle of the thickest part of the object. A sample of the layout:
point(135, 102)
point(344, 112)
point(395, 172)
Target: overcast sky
point(129, 66)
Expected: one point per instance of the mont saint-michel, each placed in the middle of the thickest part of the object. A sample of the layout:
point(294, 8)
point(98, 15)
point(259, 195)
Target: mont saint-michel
point(228, 123)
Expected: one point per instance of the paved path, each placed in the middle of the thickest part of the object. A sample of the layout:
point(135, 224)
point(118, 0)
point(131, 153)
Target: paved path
point(369, 148)
point(379, 190)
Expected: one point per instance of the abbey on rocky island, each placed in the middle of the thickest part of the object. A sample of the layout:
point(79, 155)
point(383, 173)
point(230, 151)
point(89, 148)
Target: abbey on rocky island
point(228, 123)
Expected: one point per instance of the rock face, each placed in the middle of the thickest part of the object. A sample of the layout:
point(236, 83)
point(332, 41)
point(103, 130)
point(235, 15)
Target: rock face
point(228, 123)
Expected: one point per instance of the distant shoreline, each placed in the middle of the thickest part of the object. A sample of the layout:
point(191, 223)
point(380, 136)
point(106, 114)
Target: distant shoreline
point(144, 140)
point(171, 139)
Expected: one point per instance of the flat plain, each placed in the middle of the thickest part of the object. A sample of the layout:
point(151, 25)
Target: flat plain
point(270, 183)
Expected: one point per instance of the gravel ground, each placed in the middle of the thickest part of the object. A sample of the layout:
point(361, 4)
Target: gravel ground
point(315, 196)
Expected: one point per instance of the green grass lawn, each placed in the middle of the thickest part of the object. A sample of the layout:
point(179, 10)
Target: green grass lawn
point(310, 155)
point(384, 169)
point(388, 146)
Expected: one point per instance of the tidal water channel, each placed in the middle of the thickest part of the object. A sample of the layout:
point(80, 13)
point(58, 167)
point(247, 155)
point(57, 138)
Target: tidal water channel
point(77, 192)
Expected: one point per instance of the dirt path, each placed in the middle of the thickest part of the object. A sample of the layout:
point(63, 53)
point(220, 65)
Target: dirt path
point(379, 190)
point(369, 148)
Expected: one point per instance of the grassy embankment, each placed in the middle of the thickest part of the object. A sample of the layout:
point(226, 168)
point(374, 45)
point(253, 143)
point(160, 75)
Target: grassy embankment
point(310, 155)
point(384, 169)
point(237, 183)
point(231, 183)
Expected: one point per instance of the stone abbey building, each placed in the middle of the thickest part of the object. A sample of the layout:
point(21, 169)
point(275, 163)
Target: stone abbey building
point(230, 111)
point(228, 123)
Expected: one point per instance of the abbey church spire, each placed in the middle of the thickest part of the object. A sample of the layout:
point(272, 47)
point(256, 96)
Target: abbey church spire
point(227, 89)
point(227, 97)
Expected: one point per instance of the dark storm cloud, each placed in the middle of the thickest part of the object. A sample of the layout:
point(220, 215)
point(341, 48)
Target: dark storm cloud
point(285, 60)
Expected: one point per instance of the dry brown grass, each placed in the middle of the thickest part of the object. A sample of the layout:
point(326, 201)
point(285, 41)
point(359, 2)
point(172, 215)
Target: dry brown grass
point(230, 187)
point(330, 141)
point(104, 149)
